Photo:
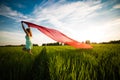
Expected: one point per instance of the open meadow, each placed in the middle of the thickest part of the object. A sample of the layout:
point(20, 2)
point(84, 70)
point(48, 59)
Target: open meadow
point(61, 63)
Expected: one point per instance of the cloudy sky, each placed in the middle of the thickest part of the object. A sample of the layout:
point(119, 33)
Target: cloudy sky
point(94, 20)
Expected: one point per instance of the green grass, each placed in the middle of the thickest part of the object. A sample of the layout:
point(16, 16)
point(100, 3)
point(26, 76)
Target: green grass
point(61, 63)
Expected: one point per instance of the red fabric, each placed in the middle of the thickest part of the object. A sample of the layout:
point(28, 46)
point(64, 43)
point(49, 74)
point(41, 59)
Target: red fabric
point(58, 36)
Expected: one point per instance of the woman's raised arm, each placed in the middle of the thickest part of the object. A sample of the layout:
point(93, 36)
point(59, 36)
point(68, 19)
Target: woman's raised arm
point(23, 27)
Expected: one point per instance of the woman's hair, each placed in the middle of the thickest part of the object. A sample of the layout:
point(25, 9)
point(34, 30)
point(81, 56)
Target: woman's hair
point(29, 31)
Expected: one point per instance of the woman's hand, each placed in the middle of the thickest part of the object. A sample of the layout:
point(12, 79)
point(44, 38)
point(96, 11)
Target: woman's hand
point(21, 21)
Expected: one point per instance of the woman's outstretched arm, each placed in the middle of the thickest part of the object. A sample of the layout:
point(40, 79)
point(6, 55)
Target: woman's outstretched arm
point(23, 27)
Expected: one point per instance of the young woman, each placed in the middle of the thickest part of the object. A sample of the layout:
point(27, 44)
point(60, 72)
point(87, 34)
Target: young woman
point(28, 38)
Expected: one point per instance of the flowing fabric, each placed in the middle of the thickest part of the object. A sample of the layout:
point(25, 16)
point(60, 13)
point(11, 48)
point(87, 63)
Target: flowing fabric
point(58, 36)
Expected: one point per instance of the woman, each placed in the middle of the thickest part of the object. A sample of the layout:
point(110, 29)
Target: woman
point(28, 38)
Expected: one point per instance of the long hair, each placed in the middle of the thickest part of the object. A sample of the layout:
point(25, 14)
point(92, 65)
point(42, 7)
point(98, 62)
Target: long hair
point(29, 31)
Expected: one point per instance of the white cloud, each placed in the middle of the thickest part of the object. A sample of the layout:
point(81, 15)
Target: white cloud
point(114, 22)
point(116, 6)
point(8, 12)
point(71, 11)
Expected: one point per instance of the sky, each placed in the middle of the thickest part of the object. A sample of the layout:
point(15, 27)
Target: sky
point(81, 20)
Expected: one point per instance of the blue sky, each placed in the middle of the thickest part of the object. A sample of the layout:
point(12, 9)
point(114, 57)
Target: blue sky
point(94, 20)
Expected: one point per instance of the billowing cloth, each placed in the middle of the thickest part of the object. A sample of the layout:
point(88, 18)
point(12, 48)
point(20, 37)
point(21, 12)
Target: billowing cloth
point(58, 36)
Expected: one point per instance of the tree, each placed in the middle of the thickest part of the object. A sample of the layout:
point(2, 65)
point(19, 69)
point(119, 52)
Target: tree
point(87, 41)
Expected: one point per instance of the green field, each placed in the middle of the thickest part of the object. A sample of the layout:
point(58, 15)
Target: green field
point(61, 63)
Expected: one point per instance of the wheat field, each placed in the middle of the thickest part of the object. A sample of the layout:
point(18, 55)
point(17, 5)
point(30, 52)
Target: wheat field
point(61, 63)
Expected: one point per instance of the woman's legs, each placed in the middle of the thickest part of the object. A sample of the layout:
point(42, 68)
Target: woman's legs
point(24, 49)
point(28, 50)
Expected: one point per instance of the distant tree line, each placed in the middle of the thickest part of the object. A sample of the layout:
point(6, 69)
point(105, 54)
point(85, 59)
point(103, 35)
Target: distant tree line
point(18, 45)
point(61, 44)
point(112, 42)
point(52, 44)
